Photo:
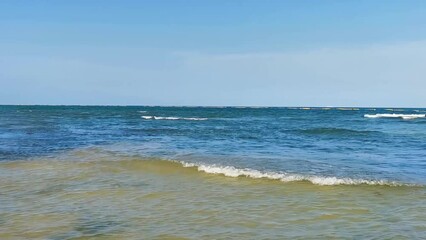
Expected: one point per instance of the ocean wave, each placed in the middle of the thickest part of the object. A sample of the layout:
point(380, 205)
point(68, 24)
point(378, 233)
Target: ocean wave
point(230, 171)
point(173, 164)
point(174, 118)
point(336, 131)
point(394, 115)
point(394, 109)
point(347, 109)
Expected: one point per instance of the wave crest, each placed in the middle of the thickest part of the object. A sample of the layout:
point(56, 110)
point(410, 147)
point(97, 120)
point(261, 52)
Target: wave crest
point(174, 118)
point(230, 171)
point(395, 115)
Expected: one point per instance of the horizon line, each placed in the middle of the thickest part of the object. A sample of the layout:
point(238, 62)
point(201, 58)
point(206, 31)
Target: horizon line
point(203, 106)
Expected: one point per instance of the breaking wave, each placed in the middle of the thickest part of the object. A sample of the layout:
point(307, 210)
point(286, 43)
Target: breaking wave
point(167, 165)
point(394, 115)
point(174, 118)
point(230, 171)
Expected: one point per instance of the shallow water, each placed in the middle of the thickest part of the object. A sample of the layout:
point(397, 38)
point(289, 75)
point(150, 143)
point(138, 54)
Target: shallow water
point(211, 173)
point(126, 197)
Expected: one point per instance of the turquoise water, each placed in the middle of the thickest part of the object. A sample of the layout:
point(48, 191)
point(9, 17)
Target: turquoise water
point(212, 173)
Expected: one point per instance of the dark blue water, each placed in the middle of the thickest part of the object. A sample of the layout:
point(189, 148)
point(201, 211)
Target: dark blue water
point(320, 142)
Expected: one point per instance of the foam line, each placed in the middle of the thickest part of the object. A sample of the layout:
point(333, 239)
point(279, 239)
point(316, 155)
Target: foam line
point(230, 171)
point(174, 118)
point(394, 115)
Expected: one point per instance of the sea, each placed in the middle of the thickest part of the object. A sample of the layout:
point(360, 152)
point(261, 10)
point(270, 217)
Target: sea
point(150, 172)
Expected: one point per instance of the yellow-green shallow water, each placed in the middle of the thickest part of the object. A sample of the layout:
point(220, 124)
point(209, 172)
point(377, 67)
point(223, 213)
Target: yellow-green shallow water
point(132, 198)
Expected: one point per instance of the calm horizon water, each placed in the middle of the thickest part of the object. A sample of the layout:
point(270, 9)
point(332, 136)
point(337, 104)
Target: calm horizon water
point(139, 172)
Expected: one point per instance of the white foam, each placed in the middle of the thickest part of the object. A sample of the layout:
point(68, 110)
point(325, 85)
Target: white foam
point(395, 115)
point(166, 118)
point(230, 171)
point(195, 119)
point(174, 118)
point(419, 111)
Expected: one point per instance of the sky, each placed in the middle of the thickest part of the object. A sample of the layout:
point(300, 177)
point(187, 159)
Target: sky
point(213, 53)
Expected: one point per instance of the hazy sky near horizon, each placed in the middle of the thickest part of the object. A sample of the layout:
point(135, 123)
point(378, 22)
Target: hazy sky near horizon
point(257, 53)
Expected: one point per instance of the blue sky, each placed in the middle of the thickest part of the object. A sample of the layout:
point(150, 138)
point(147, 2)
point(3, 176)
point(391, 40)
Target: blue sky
point(257, 53)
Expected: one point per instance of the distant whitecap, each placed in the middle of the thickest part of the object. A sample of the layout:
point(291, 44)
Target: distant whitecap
point(395, 115)
point(174, 118)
